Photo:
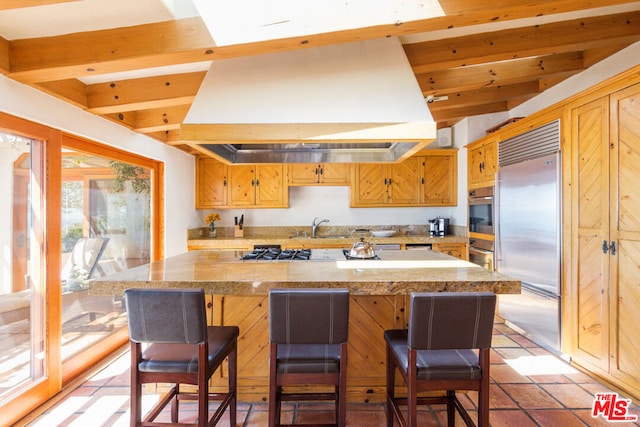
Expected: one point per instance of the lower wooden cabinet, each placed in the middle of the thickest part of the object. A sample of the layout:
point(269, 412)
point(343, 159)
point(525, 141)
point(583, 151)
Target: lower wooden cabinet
point(369, 317)
point(458, 250)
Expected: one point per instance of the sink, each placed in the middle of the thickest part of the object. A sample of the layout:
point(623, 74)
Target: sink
point(326, 236)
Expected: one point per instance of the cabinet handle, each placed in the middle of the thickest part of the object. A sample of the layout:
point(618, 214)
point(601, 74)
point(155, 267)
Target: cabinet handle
point(385, 181)
point(389, 181)
point(257, 182)
point(612, 248)
point(421, 180)
point(605, 246)
point(321, 171)
point(481, 166)
point(253, 182)
point(224, 182)
point(317, 171)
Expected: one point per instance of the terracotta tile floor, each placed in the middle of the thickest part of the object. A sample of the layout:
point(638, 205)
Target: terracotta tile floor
point(530, 387)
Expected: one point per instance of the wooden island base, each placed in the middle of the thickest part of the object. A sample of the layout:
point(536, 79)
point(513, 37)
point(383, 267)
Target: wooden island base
point(369, 316)
point(380, 290)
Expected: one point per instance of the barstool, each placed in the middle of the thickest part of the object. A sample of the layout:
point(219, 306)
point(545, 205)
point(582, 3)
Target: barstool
point(446, 348)
point(308, 346)
point(180, 349)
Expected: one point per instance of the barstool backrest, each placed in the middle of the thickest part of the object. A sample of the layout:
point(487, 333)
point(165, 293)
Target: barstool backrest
point(451, 320)
point(170, 316)
point(308, 316)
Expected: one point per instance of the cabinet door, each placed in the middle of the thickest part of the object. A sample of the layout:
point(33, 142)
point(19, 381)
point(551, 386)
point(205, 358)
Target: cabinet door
point(405, 182)
point(625, 231)
point(304, 174)
point(211, 183)
point(490, 162)
point(270, 186)
point(476, 155)
point(369, 186)
point(335, 173)
point(439, 183)
point(590, 133)
point(242, 183)
point(458, 250)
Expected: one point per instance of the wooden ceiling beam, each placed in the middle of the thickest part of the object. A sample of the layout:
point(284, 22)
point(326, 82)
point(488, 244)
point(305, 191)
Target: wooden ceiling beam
point(17, 4)
point(499, 73)
point(485, 95)
point(187, 40)
point(454, 114)
point(539, 40)
point(72, 91)
point(591, 56)
point(160, 119)
point(144, 93)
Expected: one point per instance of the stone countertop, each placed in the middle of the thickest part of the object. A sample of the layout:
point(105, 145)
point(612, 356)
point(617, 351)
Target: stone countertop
point(308, 242)
point(224, 273)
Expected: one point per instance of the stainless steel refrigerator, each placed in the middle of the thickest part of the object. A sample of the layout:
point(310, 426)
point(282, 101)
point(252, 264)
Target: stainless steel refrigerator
point(528, 241)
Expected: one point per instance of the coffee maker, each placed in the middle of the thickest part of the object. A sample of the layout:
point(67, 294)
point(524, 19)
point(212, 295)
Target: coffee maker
point(438, 227)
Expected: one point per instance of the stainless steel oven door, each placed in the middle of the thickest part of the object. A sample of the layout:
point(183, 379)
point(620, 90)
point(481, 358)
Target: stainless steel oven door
point(481, 210)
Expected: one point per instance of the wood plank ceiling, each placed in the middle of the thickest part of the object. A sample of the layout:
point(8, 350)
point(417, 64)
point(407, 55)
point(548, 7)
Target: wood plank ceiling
point(481, 57)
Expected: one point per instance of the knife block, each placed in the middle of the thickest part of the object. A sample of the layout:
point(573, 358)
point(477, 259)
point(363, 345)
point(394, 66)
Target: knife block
point(237, 231)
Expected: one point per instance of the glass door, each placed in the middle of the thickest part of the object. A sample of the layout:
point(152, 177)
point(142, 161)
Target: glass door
point(23, 340)
point(105, 228)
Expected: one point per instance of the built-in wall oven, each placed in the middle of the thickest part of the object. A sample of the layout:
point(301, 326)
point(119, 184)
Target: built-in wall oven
point(481, 210)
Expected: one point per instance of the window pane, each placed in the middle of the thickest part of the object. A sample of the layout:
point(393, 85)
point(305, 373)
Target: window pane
point(22, 337)
point(105, 229)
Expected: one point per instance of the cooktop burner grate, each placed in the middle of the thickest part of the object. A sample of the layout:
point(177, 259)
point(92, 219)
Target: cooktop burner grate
point(274, 253)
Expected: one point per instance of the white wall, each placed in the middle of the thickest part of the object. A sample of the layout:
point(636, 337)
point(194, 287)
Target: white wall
point(23, 101)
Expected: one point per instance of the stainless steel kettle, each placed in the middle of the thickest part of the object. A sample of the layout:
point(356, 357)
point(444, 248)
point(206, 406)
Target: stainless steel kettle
point(362, 248)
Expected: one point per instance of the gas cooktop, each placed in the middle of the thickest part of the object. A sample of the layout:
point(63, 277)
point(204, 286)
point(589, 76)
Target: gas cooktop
point(275, 253)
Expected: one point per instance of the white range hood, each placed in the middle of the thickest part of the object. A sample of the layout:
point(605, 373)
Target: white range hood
point(355, 102)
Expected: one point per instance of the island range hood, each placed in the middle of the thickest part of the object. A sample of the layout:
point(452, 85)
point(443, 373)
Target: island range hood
point(355, 102)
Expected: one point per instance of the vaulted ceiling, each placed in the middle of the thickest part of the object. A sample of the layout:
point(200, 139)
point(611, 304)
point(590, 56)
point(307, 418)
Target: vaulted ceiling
point(143, 70)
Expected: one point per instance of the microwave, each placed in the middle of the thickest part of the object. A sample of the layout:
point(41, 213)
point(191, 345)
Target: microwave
point(481, 210)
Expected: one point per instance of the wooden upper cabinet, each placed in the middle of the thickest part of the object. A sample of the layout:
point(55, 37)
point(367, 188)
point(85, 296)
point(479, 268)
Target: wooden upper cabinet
point(369, 185)
point(439, 178)
point(271, 186)
point(428, 179)
point(404, 182)
point(257, 185)
point(211, 183)
point(377, 184)
point(222, 186)
point(483, 162)
point(319, 173)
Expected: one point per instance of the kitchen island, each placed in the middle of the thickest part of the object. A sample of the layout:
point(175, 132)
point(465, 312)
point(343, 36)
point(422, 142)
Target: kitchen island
point(238, 295)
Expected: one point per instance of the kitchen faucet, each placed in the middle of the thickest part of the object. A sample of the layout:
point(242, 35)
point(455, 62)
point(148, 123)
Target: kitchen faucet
point(314, 225)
